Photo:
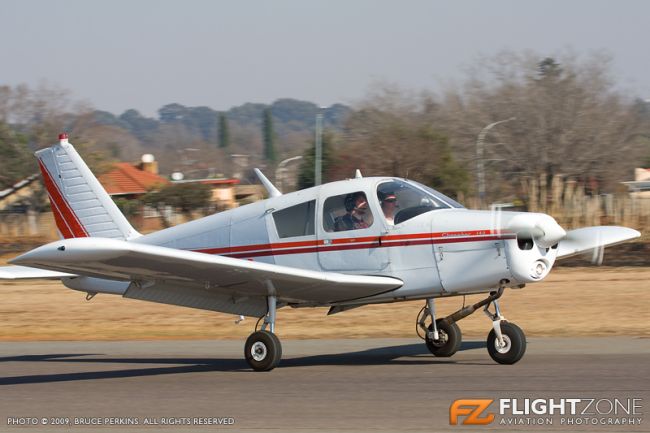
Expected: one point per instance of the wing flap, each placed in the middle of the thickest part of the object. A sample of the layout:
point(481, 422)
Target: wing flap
point(197, 297)
point(122, 260)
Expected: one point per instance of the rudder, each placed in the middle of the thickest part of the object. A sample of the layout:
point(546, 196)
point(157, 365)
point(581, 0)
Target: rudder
point(80, 204)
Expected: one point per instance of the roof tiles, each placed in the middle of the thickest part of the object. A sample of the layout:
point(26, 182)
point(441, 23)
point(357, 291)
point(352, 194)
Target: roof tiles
point(124, 178)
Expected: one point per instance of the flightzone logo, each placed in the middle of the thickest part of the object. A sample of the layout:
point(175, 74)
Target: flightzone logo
point(474, 412)
point(547, 411)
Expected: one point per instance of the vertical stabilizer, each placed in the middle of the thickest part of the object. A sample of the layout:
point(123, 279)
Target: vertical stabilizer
point(80, 205)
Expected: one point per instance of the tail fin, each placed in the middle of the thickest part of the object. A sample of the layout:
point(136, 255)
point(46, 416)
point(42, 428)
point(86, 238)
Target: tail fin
point(81, 206)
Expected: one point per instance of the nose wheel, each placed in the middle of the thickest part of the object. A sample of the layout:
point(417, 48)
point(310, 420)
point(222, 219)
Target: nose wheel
point(512, 346)
point(506, 342)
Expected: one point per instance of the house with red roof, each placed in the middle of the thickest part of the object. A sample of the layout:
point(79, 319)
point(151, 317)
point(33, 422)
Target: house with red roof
point(130, 181)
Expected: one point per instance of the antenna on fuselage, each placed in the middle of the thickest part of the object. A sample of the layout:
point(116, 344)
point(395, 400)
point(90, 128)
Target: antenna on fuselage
point(272, 190)
point(357, 174)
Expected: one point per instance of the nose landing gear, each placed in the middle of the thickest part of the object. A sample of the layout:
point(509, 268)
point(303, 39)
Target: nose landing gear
point(506, 342)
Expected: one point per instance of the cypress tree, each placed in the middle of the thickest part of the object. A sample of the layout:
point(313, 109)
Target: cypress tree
point(224, 133)
point(269, 136)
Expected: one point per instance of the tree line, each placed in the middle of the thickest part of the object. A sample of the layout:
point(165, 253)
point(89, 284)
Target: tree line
point(566, 117)
point(563, 116)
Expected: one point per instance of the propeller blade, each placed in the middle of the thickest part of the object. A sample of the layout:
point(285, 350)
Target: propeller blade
point(588, 238)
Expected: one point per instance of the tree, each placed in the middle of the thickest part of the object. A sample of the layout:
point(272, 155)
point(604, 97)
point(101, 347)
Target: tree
point(184, 197)
point(16, 161)
point(390, 134)
point(172, 113)
point(130, 208)
point(224, 133)
point(571, 121)
point(269, 136)
point(140, 126)
point(307, 165)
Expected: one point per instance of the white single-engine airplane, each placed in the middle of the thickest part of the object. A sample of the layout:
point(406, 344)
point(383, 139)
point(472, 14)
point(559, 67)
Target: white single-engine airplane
point(342, 245)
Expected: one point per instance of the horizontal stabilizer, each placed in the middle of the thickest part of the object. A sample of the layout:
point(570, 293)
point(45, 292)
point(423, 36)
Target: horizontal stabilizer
point(27, 273)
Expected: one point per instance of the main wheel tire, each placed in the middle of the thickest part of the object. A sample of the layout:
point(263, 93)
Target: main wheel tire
point(263, 351)
point(515, 344)
point(449, 339)
point(278, 352)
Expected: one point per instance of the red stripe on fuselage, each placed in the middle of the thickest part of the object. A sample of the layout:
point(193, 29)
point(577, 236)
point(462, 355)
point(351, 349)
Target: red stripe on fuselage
point(66, 214)
point(256, 247)
point(316, 246)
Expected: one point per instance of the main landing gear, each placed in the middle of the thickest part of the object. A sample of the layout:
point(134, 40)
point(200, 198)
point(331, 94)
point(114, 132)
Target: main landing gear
point(506, 342)
point(263, 350)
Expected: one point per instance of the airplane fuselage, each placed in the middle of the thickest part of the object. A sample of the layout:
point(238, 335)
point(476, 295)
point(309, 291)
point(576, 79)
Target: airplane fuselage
point(440, 252)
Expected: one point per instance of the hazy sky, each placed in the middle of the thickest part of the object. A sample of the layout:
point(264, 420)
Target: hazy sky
point(143, 54)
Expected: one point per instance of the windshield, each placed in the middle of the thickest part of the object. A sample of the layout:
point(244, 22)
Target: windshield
point(439, 195)
point(401, 201)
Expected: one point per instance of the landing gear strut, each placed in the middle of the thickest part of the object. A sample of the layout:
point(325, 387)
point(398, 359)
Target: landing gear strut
point(263, 350)
point(506, 342)
point(442, 338)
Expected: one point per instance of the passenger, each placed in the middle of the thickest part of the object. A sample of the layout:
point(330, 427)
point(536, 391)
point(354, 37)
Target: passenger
point(389, 205)
point(356, 207)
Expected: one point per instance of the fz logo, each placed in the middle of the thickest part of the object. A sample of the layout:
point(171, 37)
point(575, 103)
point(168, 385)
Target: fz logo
point(471, 410)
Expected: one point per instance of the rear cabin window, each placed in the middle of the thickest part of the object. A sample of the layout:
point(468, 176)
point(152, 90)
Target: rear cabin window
point(346, 212)
point(296, 220)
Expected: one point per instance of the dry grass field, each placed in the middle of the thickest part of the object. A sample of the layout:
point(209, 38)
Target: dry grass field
point(594, 301)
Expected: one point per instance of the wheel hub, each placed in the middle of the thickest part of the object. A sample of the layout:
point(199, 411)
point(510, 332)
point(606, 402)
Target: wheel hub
point(258, 351)
point(507, 344)
point(442, 339)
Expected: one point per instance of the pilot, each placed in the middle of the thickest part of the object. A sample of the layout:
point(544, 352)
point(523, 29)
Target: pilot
point(389, 205)
point(356, 207)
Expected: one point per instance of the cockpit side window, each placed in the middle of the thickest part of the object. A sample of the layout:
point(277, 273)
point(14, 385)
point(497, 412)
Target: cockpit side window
point(298, 220)
point(347, 212)
point(401, 201)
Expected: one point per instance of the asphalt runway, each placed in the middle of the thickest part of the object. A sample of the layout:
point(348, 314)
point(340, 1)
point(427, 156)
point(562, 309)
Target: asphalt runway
point(321, 385)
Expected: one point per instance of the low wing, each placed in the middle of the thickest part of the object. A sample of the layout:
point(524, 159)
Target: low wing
point(585, 239)
point(148, 265)
point(27, 273)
